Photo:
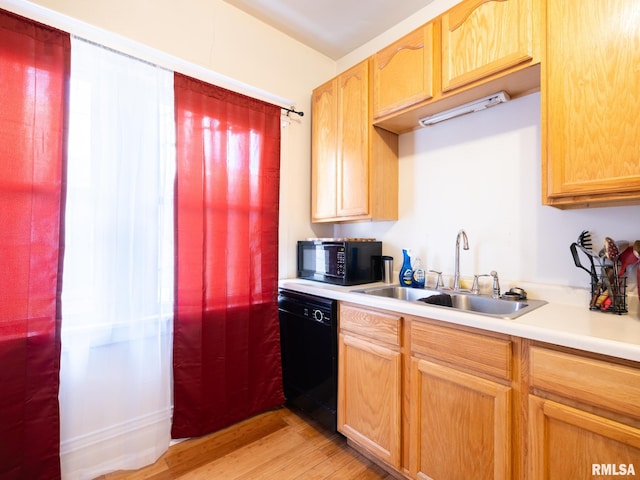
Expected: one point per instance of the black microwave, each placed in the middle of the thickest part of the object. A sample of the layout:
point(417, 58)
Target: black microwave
point(340, 262)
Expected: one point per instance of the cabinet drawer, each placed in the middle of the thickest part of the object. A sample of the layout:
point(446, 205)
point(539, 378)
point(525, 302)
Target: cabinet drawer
point(473, 350)
point(380, 326)
point(596, 382)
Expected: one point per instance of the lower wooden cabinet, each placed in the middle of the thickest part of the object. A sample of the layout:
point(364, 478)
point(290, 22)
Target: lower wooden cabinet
point(462, 425)
point(369, 382)
point(584, 416)
point(439, 401)
point(369, 397)
point(461, 404)
point(568, 442)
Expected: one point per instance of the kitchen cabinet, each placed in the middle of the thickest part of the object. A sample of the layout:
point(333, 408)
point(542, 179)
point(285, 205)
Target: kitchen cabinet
point(484, 37)
point(428, 399)
point(324, 165)
point(590, 104)
point(403, 72)
point(461, 402)
point(584, 415)
point(354, 165)
point(480, 47)
point(369, 381)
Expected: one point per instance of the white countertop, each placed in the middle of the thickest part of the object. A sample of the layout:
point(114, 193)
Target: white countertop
point(557, 323)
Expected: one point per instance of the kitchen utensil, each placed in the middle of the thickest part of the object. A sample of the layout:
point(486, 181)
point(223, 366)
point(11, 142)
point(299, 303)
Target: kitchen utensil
point(600, 300)
point(611, 252)
point(638, 280)
point(636, 253)
point(585, 244)
point(576, 259)
point(606, 281)
point(629, 257)
point(584, 240)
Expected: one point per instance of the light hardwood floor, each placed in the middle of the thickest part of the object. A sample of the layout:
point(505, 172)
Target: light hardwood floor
point(278, 444)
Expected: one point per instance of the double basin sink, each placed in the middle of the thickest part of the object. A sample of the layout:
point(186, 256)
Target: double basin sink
point(462, 301)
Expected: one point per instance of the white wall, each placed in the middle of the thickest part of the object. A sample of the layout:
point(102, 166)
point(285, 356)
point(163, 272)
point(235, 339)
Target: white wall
point(482, 173)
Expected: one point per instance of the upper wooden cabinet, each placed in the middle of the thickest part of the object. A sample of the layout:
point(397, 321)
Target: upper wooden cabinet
point(354, 165)
point(324, 150)
point(479, 47)
point(590, 104)
point(403, 72)
point(484, 37)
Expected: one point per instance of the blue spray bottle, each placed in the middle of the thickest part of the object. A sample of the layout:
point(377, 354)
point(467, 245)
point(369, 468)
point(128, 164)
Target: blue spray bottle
point(406, 272)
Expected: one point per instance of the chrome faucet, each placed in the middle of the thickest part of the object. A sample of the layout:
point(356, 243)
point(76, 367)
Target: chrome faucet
point(475, 288)
point(465, 245)
point(439, 282)
point(496, 284)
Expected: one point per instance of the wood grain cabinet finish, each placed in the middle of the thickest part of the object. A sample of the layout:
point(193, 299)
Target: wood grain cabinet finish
point(461, 421)
point(484, 37)
point(590, 104)
point(479, 47)
point(324, 162)
point(567, 442)
point(438, 401)
point(403, 72)
point(584, 416)
point(369, 382)
point(354, 171)
point(463, 425)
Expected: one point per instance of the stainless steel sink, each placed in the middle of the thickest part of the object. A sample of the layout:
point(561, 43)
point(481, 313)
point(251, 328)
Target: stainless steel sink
point(400, 293)
point(480, 304)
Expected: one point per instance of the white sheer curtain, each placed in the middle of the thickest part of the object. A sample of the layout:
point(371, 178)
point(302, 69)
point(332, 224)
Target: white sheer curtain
point(117, 300)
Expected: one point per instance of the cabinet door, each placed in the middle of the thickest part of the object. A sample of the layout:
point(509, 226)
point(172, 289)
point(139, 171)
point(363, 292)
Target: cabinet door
point(461, 425)
point(483, 37)
point(590, 103)
point(571, 443)
point(403, 72)
point(324, 150)
point(369, 397)
point(353, 147)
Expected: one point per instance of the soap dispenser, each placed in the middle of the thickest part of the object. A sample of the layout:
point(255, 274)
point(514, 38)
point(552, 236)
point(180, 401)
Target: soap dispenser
point(406, 272)
point(418, 274)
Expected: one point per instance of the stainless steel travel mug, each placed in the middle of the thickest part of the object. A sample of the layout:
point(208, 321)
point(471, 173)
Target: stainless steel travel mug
point(387, 269)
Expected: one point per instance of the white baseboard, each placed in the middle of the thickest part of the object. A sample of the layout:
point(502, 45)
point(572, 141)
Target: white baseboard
point(124, 446)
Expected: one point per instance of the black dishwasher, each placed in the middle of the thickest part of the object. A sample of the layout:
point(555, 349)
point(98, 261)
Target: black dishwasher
point(309, 342)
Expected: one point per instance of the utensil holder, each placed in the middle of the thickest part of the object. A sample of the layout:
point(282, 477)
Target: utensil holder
point(618, 304)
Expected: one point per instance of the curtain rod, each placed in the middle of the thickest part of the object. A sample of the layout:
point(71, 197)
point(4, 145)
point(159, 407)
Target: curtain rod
point(139, 50)
point(292, 110)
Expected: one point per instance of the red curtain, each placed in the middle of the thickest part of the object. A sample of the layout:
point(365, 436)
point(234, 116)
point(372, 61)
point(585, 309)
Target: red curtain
point(226, 336)
point(34, 72)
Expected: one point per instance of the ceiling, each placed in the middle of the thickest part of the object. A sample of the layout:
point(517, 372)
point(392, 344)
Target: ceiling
point(332, 27)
